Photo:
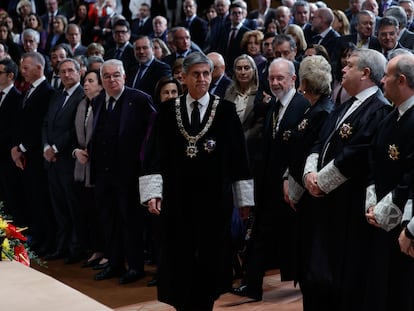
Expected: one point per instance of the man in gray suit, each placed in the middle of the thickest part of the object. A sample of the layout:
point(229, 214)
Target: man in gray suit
point(59, 139)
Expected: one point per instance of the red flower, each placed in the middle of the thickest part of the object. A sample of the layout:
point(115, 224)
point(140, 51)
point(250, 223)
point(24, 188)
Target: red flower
point(11, 232)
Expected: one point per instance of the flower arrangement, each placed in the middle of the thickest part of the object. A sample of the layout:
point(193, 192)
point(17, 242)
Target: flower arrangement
point(13, 244)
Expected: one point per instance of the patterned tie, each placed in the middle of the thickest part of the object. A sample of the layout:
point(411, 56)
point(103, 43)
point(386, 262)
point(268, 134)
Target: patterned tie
point(195, 117)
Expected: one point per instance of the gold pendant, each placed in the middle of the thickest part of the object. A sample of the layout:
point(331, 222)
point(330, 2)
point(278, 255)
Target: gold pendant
point(345, 130)
point(191, 150)
point(393, 152)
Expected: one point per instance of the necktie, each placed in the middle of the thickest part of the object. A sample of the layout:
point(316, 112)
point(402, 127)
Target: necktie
point(56, 82)
point(118, 53)
point(139, 75)
point(1, 96)
point(195, 117)
point(111, 104)
point(187, 23)
point(232, 36)
point(346, 105)
point(63, 100)
point(26, 96)
point(51, 20)
point(141, 23)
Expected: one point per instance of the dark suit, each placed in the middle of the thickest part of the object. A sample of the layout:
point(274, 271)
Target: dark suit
point(80, 50)
point(117, 139)
point(170, 59)
point(198, 31)
point(156, 70)
point(273, 218)
point(329, 42)
point(220, 89)
point(215, 28)
point(59, 131)
point(10, 174)
point(35, 191)
point(407, 39)
point(127, 57)
point(144, 30)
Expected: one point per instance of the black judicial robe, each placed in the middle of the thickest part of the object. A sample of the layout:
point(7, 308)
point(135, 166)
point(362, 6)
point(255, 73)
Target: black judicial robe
point(339, 231)
point(197, 201)
point(391, 282)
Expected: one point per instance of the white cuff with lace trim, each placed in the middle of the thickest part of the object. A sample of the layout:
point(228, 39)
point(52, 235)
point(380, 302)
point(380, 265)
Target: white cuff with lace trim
point(295, 190)
point(150, 187)
point(243, 193)
point(311, 164)
point(330, 178)
point(371, 197)
point(408, 211)
point(387, 214)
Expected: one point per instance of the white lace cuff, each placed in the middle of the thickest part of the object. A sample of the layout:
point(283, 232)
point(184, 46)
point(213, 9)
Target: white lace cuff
point(408, 211)
point(311, 164)
point(371, 197)
point(243, 193)
point(150, 187)
point(295, 190)
point(330, 178)
point(387, 214)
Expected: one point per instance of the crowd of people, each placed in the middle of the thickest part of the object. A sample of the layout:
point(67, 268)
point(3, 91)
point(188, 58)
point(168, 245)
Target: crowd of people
point(215, 144)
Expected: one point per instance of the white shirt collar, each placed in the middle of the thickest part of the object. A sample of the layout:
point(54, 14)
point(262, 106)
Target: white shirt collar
point(406, 105)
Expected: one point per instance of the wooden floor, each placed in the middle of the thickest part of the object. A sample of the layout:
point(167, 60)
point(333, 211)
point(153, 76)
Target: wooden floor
point(280, 296)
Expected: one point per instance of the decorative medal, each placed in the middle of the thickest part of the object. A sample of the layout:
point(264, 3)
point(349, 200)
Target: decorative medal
point(192, 149)
point(393, 152)
point(209, 145)
point(345, 130)
point(286, 135)
point(302, 125)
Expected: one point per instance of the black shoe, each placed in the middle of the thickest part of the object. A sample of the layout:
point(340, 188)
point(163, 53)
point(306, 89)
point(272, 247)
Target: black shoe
point(131, 275)
point(54, 256)
point(107, 273)
point(153, 282)
point(74, 258)
point(91, 263)
point(101, 266)
point(244, 291)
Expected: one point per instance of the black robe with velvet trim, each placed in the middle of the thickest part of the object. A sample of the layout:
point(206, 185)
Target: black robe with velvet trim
point(197, 201)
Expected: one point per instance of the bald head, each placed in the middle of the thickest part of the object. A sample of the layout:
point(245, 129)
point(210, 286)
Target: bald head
point(219, 65)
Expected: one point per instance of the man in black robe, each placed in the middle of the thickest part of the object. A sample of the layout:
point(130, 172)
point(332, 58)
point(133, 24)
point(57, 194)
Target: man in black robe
point(195, 170)
point(392, 169)
point(335, 174)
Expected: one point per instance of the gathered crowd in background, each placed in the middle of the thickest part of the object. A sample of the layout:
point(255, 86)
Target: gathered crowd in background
point(215, 141)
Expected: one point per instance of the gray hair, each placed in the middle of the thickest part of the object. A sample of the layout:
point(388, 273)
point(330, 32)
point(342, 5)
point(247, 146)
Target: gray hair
point(113, 62)
point(365, 13)
point(291, 67)
point(36, 57)
point(282, 38)
point(31, 32)
point(316, 72)
point(299, 3)
point(388, 21)
point(399, 13)
point(399, 51)
point(327, 15)
point(194, 59)
point(226, 2)
point(70, 60)
point(404, 66)
point(374, 60)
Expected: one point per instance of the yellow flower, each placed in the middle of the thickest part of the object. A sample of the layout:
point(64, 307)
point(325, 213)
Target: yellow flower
point(3, 224)
point(6, 248)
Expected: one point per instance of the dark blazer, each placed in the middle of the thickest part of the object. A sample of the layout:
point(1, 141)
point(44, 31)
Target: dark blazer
point(170, 59)
point(80, 50)
point(135, 112)
point(198, 31)
point(59, 126)
point(61, 39)
point(215, 29)
point(144, 30)
point(156, 70)
point(127, 56)
point(222, 86)
point(373, 41)
point(329, 42)
point(407, 39)
point(8, 116)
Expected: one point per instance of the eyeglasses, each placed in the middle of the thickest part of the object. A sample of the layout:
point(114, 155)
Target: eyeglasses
point(120, 32)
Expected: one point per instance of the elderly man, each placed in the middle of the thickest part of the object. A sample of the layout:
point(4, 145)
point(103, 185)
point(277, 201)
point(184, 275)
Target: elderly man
point(219, 80)
point(196, 162)
point(392, 180)
point(335, 174)
point(405, 37)
point(195, 25)
point(58, 138)
point(388, 31)
point(121, 117)
point(273, 216)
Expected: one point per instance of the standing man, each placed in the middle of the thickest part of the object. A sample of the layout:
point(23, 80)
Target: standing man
point(121, 117)
point(145, 75)
point(27, 152)
point(392, 180)
point(219, 80)
point(196, 161)
point(336, 173)
point(74, 37)
point(58, 53)
point(10, 101)
point(195, 25)
point(142, 25)
point(123, 49)
point(388, 31)
point(273, 216)
point(182, 43)
point(59, 139)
